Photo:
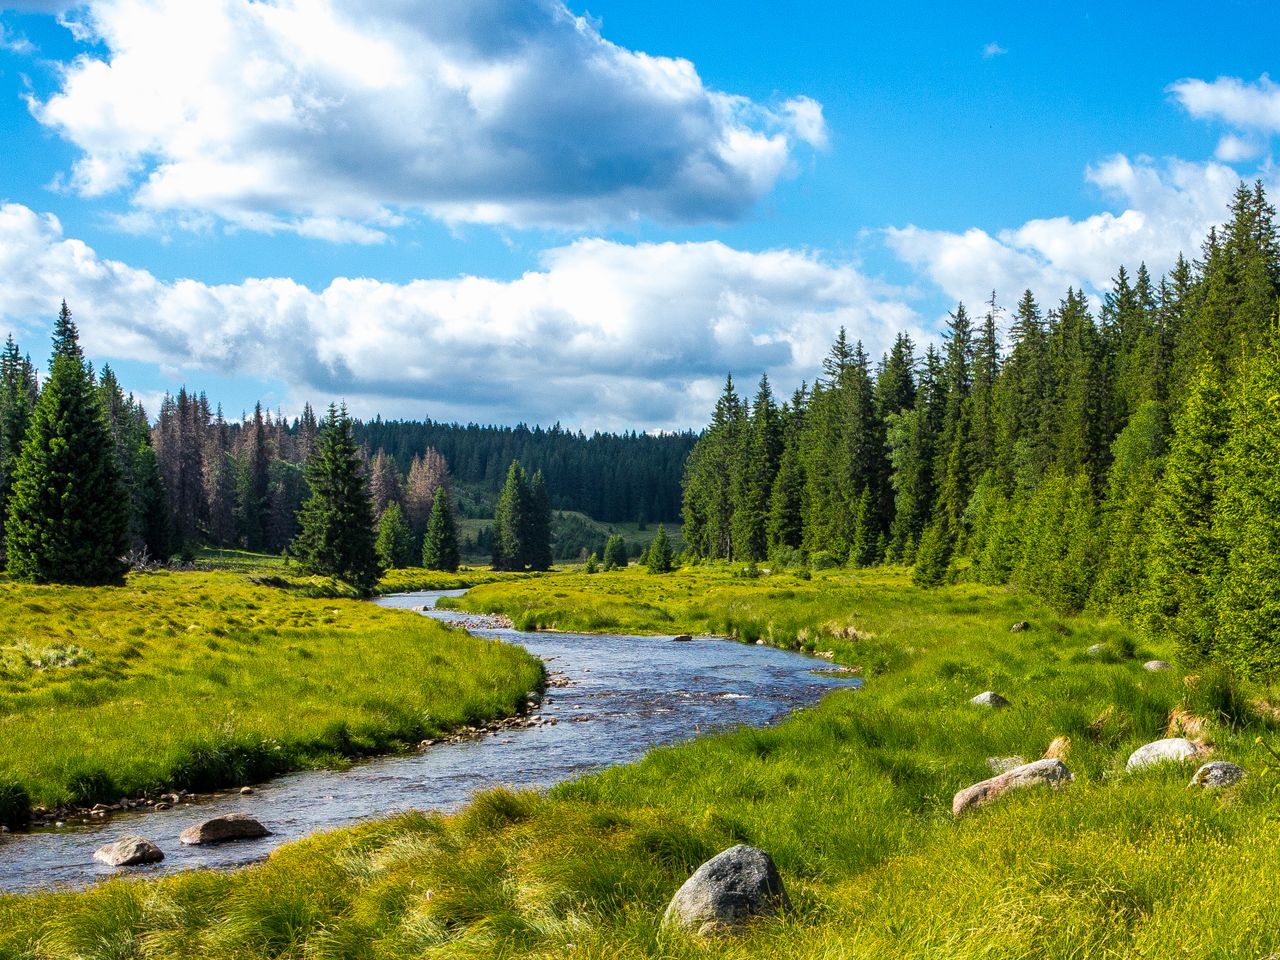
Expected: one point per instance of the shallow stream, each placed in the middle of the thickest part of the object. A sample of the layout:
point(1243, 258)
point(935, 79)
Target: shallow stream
point(612, 697)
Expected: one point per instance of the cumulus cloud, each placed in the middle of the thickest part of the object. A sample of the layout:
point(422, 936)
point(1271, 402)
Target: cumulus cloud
point(1251, 109)
point(334, 118)
point(603, 334)
point(1166, 209)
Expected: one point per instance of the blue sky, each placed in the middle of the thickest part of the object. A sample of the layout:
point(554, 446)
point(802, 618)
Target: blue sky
point(503, 210)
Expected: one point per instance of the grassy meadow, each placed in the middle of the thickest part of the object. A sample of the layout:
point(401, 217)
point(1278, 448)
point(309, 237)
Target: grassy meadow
point(852, 799)
point(200, 680)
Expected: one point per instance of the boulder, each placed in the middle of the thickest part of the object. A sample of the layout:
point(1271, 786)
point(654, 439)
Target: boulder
point(234, 826)
point(1004, 764)
point(1020, 627)
point(1097, 650)
point(128, 852)
point(1157, 666)
point(1219, 773)
point(681, 638)
point(1172, 750)
point(727, 890)
point(990, 699)
point(1041, 773)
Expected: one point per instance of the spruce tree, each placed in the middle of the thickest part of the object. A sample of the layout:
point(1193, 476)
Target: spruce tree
point(933, 557)
point(1247, 524)
point(615, 553)
point(540, 532)
point(18, 393)
point(758, 466)
point(337, 536)
point(1187, 553)
point(394, 544)
point(660, 558)
point(786, 505)
point(440, 543)
point(68, 513)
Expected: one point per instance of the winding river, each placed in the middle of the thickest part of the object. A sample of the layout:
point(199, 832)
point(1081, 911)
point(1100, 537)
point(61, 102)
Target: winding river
point(612, 698)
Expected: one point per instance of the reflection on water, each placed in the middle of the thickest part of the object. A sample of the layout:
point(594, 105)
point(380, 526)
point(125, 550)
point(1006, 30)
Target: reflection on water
point(623, 695)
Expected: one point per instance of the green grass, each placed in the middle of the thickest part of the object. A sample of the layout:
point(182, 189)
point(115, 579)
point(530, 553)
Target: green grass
point(416, 578)
point(852, 798)
point(199, 680)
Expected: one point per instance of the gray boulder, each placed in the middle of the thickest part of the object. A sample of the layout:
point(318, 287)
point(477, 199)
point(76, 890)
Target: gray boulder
point(682, 638)
point(727, 890)
point(234, 826)
point(128, 852)
point(1042, 773)
point(1172, 750)
point(990, 699)
point(1219, 773)
point(1005, 764)
point(1157, 666)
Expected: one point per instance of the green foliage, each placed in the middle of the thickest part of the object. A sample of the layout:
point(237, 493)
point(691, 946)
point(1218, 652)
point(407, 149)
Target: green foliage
point(1247, 524)
point(1187, 552)
point(660, 557)
point(440, 544)
point(68, 512)
point(18, 393)
point(1061, 550)
point(522, 523)
point(394, 545)
point(337, 537)
point(615, 553)
point(592, 565)
point(933, 559)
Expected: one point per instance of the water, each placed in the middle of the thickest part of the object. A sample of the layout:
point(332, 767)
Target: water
point(624, 695)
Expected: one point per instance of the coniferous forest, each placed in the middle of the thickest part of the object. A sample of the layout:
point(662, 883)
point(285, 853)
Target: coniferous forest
point(1121, 459)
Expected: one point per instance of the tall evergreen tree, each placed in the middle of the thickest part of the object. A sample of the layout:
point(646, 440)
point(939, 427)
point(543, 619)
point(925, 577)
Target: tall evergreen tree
point(440, 543)
point(18, 393)
point(394, 544)
point(68, 513)
point(337, 536)
point(660, 558)
point(1187, 553)
point(757, 468)
point(540, 533)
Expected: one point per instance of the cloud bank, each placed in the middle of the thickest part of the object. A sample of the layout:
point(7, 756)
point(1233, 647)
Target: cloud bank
point(336, 119)
point(1165, 209)
point(603, 335)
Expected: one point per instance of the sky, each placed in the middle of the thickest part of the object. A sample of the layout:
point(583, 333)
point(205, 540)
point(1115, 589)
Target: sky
point(505, 211)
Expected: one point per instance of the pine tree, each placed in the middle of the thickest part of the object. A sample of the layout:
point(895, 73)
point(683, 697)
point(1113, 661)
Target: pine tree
point(394, 545)
point(1187, 553)
point(18, 393)
point(757, 468)
point(933, 558)
point(539, 540)
point(337, 536)
point(786, 504)
point(427, 474)
point(709, 483)
point(1247, 524)
point(513, 522)
point(615, 553)
point(68, 513)
point(660, 558)
point(384, 482)
point(440, 543)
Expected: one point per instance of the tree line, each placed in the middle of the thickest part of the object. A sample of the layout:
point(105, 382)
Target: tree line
point(1123, 460)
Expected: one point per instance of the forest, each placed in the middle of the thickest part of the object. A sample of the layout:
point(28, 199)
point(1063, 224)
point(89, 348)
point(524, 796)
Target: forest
point(196, 478)
point(1121, 461)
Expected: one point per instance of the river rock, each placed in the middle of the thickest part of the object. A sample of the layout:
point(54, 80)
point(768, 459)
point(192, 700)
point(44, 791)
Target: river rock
point(1005, 764)
point(1041, 773)
point(128, 852)
point(234, 826)
point(727, 890)
point(246, 791)
point(1157, 666)
point(990, 699)
point(1219, 773)
point(1172, 750)
point(681, 638)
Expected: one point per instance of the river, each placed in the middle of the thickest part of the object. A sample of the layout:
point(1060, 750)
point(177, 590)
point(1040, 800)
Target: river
point(621, 696)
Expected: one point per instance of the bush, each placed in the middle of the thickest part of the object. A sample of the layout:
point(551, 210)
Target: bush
point(15, 804)
point(823, 560)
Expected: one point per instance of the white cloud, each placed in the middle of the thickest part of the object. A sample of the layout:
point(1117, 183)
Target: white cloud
point(602, 335)
point(332, 118)
point(1165, 210)
point(15, 43)
point(992, 50)
point(1246, 106)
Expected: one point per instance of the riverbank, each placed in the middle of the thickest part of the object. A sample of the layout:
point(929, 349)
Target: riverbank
point(852, 799)
point(194, 681)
